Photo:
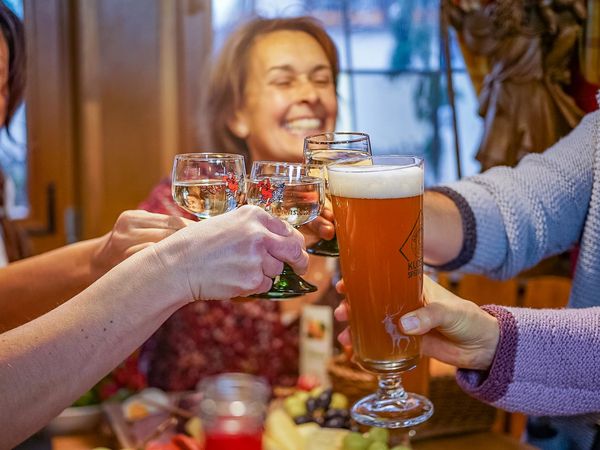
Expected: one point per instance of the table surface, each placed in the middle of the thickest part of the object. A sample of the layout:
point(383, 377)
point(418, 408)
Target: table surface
point(488, 440)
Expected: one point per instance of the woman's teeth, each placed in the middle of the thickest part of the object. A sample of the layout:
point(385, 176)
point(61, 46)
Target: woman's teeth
point(303, 125)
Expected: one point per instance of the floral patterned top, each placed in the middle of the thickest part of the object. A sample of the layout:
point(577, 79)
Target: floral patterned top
point(210, 337)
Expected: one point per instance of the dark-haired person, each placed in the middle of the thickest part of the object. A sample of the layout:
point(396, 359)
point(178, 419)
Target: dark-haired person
point(30, 287)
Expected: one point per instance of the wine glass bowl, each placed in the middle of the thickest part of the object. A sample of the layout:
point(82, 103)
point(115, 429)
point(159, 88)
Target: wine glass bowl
point(286, 191)
point(327, 148)
point(208, 184)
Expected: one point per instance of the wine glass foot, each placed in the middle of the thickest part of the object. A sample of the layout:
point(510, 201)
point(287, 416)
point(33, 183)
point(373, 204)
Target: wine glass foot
point(409, 411)
point(287, 285)
point(324, 248)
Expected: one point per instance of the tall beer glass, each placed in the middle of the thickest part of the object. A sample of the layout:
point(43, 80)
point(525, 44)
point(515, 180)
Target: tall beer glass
point(378, 214)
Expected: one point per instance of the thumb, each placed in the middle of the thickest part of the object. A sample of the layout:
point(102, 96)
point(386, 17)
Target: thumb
point(425, 319)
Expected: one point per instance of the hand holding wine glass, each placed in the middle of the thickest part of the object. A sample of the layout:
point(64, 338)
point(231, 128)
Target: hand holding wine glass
point(286, 191)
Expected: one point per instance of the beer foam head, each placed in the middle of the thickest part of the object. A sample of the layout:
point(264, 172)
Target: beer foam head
point(376, 181)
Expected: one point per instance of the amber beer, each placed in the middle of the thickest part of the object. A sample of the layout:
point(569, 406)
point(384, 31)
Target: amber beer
point(378, 214)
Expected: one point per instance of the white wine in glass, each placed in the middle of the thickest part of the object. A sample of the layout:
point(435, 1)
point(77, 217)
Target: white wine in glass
point(208, 184)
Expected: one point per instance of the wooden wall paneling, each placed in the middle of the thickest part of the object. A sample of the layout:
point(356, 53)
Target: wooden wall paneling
point(547, 292)
point(120, 141)
point(196, 45)
point(50, 118)
point(139, 60)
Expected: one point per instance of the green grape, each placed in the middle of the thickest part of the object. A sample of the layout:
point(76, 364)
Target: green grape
point(377, 445)
point(294, 407)
point(301, 395)
point(378, 434)
point(338, 401)
point(315, 392)
point(355, 441)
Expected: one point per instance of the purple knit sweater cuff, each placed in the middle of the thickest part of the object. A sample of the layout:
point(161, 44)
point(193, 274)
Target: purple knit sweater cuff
point(490, 386)
point(469, 227)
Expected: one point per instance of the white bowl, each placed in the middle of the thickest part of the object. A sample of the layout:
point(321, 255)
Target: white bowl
point(76, 419)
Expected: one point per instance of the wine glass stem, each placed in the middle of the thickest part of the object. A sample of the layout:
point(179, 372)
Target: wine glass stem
point(390, 387)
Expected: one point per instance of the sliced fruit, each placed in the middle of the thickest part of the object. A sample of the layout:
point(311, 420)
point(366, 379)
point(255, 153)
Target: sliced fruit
point(326, 439)
point(283, 431)
point(144, 403)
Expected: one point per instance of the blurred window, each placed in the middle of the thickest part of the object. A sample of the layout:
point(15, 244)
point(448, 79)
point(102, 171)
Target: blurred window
point(392, 83)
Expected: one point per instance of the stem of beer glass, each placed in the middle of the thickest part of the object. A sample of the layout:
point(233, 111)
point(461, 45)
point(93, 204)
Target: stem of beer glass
point(390, 388)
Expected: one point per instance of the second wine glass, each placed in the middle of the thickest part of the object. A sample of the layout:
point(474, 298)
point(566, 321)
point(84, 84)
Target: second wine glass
point(327, 148)
point(286, 191)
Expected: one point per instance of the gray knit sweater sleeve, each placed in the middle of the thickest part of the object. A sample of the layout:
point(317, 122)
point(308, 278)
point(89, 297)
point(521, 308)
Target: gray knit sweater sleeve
point(538, 209)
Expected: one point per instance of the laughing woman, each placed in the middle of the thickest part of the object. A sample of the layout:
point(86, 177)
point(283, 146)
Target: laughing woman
point(273, 83)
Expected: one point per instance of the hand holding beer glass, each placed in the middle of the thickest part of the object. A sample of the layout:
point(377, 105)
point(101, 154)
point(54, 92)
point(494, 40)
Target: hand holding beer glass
point(378, 213)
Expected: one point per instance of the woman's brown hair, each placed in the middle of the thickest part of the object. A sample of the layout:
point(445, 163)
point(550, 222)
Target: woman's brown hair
point(14, 34)
point(223, 95)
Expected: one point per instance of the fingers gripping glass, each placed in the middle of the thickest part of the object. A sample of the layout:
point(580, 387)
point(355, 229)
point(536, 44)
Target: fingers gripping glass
point(383, 275)
point(327, 148)
point(208, 184)
point(286, 191)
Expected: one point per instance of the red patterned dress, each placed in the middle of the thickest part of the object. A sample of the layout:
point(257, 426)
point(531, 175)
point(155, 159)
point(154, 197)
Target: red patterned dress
point(210, 337)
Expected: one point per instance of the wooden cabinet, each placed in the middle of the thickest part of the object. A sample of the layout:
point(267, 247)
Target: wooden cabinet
point(113, 95)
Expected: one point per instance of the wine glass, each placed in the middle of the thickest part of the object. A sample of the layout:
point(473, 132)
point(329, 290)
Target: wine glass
point(287, 191)
point(327, 148)
point(208, 184)
point(378, 211)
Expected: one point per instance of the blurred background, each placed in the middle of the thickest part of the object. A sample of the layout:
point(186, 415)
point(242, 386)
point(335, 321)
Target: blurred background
point(113, 89)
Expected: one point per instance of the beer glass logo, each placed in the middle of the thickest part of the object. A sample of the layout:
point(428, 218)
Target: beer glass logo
point(412, 248)
point(392, 329)
point(270, 192)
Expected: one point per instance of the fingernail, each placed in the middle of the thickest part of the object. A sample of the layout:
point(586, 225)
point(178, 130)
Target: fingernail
point(410, 322)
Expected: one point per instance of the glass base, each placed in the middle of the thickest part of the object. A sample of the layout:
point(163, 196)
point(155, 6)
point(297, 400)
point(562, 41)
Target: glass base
point(287, 285)
point(406, 410)
point(325, 248)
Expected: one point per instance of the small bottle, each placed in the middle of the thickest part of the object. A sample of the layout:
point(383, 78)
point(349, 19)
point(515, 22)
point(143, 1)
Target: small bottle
point(232, 411)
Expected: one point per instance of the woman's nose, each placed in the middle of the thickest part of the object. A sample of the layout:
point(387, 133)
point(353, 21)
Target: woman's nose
point(306, 91)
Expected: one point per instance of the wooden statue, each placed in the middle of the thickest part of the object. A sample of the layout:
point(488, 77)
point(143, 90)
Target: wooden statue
point(528, 46)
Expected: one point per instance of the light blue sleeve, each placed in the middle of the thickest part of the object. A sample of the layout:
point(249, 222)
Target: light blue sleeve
point(534, 210)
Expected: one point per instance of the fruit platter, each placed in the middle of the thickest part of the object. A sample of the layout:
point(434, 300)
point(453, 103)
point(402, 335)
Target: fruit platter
point(319, 419)
point(304, 417)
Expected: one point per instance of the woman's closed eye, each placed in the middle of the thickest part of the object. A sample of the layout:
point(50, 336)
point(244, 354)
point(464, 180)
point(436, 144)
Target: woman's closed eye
point(286, 81)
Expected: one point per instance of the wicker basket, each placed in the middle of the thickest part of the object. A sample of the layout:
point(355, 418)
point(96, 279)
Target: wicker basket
point(455, 412)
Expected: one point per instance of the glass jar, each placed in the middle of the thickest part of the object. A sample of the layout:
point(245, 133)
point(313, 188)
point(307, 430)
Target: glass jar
point(232, 411)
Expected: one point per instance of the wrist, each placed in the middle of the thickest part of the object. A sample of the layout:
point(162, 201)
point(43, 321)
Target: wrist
point(490, 344)
point(170, 267)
